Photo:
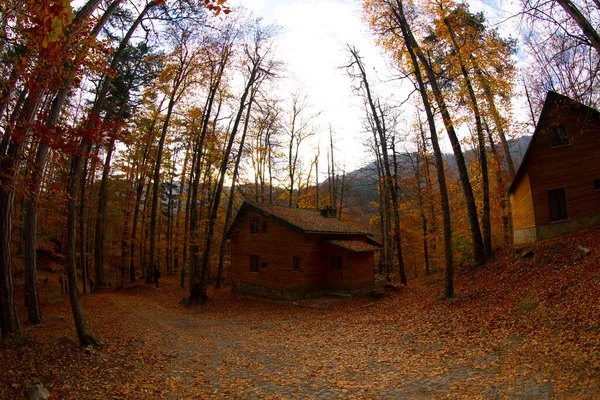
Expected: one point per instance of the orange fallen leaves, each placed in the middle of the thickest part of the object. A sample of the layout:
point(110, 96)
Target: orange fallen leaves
point(516, 326)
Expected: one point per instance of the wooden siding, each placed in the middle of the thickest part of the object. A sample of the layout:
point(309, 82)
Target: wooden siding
point(522, 204)
point(276, 247)
point(573, 167)
point(279, 244)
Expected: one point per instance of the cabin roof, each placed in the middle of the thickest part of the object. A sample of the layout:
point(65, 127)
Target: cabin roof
point(302, 219)
point(353, 245)
point(551, 98)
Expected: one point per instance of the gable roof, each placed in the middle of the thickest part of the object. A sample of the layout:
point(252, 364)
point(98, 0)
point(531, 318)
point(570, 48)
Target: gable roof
point(301, 219)
point(551, 98)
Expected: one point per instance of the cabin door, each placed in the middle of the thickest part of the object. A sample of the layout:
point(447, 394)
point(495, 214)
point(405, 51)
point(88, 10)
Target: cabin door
point(336, 270)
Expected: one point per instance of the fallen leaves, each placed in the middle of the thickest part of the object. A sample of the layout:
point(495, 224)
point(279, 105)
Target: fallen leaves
point(520, 326)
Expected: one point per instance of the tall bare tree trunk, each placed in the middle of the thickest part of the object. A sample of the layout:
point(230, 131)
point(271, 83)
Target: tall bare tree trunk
point(390, 180)
point(410, 44)
point(586, 27)
point(229, 212)
point(477, 242)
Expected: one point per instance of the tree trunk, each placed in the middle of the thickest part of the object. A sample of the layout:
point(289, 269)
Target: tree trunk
point(229, 212)
point(585, 25)
point(80, 324)
point(9, 165)
point(477, 242)
point(380, 131)
point(410, 44)
point(156, 178)
point(83, 259)
point(485, 181)
point(198, 291)
point(100, 217)
point(489, 97)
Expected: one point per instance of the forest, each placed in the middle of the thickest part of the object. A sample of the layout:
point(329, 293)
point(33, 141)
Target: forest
point(133, 130)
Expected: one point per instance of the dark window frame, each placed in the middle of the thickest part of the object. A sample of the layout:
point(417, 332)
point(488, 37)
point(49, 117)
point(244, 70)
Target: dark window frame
point(254, 263)
point(296, 263)
point(335, 263)
point(557, 205)
point(254, 225)
point(558, 136)
point(597, 184)
point(264, 226)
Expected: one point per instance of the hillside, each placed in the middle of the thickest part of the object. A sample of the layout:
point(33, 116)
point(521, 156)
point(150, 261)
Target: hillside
point(362, 182)
point(526, 325)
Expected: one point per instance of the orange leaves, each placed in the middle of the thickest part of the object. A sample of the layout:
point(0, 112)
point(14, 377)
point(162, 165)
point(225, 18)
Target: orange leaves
point(48, 20)
point(217, 6)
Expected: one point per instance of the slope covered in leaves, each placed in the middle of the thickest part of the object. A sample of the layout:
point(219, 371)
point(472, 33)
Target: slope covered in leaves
point(526, 325)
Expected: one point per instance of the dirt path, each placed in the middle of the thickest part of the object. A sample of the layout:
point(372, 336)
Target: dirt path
point(236, 347)
point(493, 341)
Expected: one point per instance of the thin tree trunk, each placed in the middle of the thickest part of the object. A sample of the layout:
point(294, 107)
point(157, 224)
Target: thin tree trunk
point(586, 27)
point(497, 121)
point(410, 44)
point(477, 242)
point(379, 130)
point(485, 181)
point(199, 291)
point(229, 212)
point(100, 217)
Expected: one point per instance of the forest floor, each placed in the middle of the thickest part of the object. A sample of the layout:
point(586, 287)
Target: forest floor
point(526, 325)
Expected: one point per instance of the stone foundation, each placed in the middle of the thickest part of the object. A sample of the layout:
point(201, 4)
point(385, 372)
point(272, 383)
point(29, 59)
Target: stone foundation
point(293, 295)
point(555, 229)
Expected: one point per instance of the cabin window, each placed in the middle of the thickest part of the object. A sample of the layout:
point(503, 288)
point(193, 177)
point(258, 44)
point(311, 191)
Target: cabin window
point(558, 136)
point(264, 226)
point(254, 260)
point(596, 184)
point(296, 263)
point(336, 262)
point(557, 201)
point(254, 225)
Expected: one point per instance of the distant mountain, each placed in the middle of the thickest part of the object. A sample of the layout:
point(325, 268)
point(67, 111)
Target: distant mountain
point(362, 183)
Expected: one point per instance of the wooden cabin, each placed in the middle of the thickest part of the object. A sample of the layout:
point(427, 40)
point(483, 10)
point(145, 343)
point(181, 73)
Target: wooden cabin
point(557, 187)
point(294, 253)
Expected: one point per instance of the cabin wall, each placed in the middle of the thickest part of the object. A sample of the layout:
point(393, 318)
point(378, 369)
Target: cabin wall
point(278, 274)
point(522, 204)
point(573, 167)
point(363, 270)
point(277, 246)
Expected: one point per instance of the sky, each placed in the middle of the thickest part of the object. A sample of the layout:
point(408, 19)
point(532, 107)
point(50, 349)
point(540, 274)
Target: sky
point(312, 42)
point(312, 46)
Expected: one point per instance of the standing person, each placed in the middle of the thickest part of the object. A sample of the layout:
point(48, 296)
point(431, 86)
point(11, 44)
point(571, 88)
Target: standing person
point(156, 274)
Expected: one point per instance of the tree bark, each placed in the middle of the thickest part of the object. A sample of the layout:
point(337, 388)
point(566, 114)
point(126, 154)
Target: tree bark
point(198, 291)
point(485, 181)
point(229, 212)
point(585, 25)
point(80, 324)
point(439, 161)
point(9, 165)
point(100, 217)
point(379, 131)
point(477, 242)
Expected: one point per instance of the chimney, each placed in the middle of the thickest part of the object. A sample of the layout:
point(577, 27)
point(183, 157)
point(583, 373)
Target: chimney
point(328, 212)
